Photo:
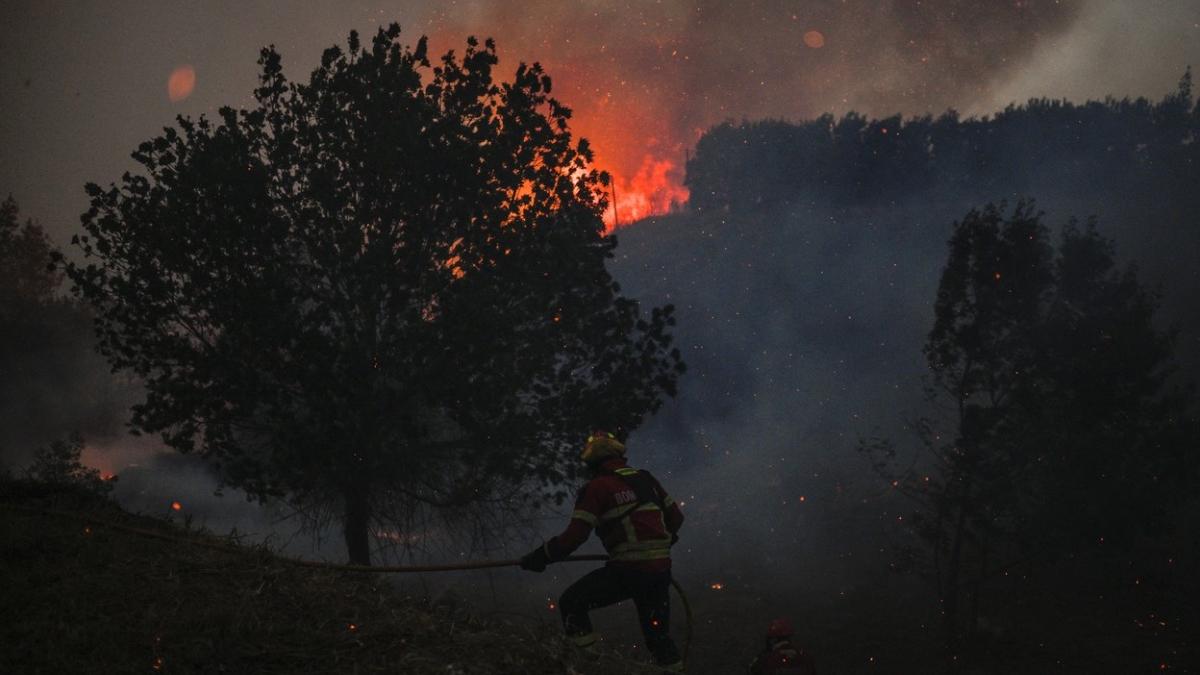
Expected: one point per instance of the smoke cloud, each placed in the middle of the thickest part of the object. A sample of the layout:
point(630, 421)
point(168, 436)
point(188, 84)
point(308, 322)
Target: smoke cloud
point(647, 79)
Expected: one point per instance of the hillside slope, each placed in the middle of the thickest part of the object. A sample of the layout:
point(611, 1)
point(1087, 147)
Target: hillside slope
point(80, 596)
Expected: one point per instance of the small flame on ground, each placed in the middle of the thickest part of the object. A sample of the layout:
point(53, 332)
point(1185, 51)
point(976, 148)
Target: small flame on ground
point(176, 506)
point(716, 586)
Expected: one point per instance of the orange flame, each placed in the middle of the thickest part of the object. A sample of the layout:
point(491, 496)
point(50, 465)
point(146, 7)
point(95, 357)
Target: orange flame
point(635, 145)
point(655, 188)
point(631, 129)
point(176, 506)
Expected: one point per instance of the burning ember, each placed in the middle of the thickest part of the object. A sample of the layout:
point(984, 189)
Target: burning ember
point(176, 506)
point(716, 586)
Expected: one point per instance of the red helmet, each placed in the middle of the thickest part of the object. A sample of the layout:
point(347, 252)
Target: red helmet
point(780, 628)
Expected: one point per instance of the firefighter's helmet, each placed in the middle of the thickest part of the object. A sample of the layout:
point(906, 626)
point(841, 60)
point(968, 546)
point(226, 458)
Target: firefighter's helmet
point(780, 628)
point(601, 445)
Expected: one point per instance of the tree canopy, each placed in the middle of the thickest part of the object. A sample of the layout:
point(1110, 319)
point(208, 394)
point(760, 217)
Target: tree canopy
point(1130, 146)
point(1061, 438)
point(26, 277)
point(51, 381)
point(382, 289)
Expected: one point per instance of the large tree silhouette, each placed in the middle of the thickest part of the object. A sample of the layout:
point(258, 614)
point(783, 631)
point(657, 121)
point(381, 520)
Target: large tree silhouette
point(382, 289)
point(1052, 382)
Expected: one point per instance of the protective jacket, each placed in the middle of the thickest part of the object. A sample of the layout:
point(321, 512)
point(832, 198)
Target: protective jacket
point(632, 514)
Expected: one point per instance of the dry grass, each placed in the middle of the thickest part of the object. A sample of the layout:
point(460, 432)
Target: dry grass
point(81, 598)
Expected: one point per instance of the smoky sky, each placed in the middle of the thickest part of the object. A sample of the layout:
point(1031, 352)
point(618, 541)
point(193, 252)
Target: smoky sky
point(84, 82)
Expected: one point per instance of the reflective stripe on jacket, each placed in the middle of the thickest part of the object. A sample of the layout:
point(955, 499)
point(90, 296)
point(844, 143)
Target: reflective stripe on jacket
point(632, 514)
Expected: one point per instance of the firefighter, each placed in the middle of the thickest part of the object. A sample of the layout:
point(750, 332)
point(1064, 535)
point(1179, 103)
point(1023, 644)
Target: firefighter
point(779, 656)
point(638, 523)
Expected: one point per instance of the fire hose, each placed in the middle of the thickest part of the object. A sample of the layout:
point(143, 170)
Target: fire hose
point(382, 569)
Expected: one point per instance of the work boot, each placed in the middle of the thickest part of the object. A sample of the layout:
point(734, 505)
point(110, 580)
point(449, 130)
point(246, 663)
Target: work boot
point(586, 645)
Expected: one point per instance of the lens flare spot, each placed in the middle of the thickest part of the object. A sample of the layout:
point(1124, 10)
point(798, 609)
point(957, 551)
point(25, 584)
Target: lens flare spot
point(814, 39)
point(181, 83)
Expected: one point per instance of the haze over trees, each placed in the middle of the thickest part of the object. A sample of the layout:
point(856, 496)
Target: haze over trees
point(378, 291)
point(1056, 454)
point(51, 382)
point(806, 274)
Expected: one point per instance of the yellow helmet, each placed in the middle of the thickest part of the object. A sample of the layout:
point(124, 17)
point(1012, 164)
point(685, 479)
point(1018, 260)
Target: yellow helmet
point(601, 445)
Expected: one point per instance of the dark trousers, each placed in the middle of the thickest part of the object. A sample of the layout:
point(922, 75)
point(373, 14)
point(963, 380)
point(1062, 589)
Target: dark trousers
point(650, 592)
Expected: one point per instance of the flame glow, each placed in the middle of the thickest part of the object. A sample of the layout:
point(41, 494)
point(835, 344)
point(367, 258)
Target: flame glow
point(633, 142)
point(629, 126)
point(654, 189)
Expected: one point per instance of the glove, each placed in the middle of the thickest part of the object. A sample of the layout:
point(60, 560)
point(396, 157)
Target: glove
point(535, 560)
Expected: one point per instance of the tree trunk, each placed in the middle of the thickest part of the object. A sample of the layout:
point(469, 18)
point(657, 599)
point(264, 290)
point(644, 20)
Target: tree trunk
point(354, 526)
point(977, 586)
point(952, 592)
